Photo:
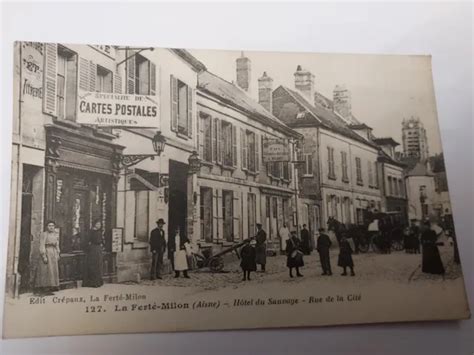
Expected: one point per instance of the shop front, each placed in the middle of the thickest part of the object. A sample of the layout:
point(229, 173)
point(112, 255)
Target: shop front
point(81, 179)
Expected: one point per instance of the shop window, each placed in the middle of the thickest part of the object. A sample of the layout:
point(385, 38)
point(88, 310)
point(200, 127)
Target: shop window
point(228, 215)
point(142, 205)
point(206, 215)
point(66, 93)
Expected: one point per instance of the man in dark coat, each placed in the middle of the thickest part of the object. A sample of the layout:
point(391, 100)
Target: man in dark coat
point(323, 245)
point(157, 248)
point(261, 247)
point(305, 241)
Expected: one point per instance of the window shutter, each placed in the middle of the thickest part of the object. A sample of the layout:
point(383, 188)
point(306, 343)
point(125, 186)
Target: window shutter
point(50, 80)
point(235, 216)
point(234, 145)
point(200, 135)
point(213, 140)
point(152, 78)
point(84, 75)
point(290, 171)
point(92, 76)
point(130, 71)
point(190, 112)
point(174, 103)
point(257, 153)
point(117, 84)
point(243, 150)
point(219, 140)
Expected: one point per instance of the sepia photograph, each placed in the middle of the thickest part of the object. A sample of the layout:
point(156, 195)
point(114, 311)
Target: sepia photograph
point(166, 189)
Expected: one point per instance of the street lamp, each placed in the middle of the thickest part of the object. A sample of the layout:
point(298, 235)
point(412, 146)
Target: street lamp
point(158, 141)
point(194, 163)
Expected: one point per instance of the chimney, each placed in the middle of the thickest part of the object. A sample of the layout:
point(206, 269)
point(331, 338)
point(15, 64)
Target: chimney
point(243, 72)
point(265, 88)
point(342, 102)
point(304, 82)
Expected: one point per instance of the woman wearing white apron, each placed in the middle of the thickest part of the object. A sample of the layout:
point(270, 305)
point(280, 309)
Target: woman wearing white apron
point(177, 252)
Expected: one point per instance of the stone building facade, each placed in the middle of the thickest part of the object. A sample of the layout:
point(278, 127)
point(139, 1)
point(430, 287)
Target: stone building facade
point(76, 173)
point(237, 188)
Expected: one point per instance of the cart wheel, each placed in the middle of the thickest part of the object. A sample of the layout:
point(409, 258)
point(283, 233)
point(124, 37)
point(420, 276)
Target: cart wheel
point(364, 244)
point(216, 264)
point(397, 245)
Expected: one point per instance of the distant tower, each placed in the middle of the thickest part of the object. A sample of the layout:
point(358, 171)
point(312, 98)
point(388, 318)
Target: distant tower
point(415, 143)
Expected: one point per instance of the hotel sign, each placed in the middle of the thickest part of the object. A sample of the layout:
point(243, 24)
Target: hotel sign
point(117, 110)
point(275, 150)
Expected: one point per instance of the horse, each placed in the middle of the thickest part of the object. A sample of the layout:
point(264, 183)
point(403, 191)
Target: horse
point(351, 231)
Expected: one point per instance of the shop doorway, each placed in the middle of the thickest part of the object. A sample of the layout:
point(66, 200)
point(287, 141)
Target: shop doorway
point(178, 199)
point(25, 229)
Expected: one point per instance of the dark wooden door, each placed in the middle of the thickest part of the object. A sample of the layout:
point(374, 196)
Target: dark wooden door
point(178, 173)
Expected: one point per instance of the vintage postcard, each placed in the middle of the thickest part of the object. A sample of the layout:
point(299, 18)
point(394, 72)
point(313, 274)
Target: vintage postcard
point(163, 189)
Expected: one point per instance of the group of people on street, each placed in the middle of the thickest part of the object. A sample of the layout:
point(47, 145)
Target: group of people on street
point(253, 253)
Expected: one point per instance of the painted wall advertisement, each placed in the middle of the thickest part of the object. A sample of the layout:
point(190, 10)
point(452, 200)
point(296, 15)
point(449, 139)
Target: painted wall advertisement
point(276, 150)
point(109, 109)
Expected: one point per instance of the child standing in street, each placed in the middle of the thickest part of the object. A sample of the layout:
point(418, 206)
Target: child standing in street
point(248, 261)
point(345, 257)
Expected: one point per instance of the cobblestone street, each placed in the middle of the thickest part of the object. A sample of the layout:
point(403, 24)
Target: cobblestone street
point(397, 266)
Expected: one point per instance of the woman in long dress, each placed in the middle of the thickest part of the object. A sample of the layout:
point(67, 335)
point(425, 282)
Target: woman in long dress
point(431, 259)
point(47, 272)
point(93, 269)
point(345, 257)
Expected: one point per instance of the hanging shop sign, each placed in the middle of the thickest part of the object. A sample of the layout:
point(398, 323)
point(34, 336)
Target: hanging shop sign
point(276, 150)
point(117, 110)
point(117, 240)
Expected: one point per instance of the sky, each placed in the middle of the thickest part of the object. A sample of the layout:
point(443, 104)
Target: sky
point(385, 89)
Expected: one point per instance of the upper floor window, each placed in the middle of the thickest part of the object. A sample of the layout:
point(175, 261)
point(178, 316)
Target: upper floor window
point(331, 165)
point(345, 175)
point(359, 171)
point(308, 164)
point(369, 173)
point(141, 74)
point(250, 152)
point(66, 84)
point(206, 140)
point(181, 107)
point(104, 80)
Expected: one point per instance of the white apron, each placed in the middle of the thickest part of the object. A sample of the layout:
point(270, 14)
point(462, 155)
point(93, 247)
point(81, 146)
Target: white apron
point(180, 260)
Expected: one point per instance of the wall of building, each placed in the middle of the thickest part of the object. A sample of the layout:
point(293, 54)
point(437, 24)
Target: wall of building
point(413, 184)
point(355, 195)
point(242, 182)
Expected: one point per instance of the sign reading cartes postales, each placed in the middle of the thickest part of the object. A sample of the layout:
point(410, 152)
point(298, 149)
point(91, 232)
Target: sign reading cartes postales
point(276, 150)
point(108, 109)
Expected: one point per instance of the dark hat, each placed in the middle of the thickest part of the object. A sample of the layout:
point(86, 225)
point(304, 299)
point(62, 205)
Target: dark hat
point(161, 220)
point(321, 229)
point(259, 224)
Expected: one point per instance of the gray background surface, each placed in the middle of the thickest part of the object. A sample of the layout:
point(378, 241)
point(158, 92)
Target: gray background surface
point(443, 30)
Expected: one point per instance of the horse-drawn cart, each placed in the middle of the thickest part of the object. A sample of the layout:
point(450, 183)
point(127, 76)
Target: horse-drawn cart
point(215, 262)
point(384, 232)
